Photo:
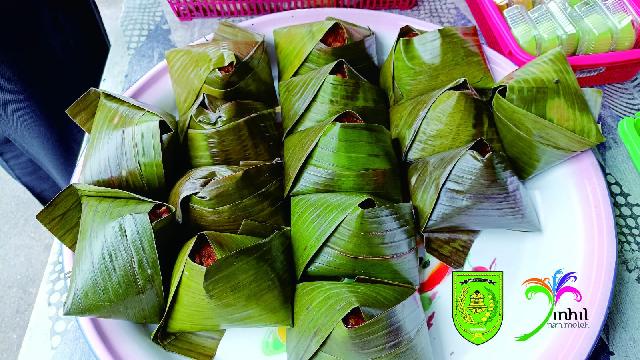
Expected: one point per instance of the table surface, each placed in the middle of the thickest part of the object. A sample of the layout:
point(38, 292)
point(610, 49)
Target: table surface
point(141, 31)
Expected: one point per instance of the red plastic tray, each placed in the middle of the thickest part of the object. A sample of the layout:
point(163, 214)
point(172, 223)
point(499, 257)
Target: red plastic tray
point(191, 9)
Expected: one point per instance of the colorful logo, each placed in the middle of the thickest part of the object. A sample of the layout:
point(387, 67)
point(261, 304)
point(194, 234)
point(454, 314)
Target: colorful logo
point(477, 304)
point(553, 292)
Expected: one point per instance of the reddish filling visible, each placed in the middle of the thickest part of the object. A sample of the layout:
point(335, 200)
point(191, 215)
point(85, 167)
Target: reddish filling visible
point(336, 36)
point(340, 70)
point(354, 318)
point(158, 212)
point(349, 118)
point(482, 148)
point(205, 255)
point(407, 33)
point(227, 69)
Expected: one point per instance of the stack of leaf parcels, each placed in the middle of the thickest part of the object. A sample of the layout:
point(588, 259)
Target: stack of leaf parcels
point(134, 259)
point(183, 223)
point(468, 142)
point(354, 240)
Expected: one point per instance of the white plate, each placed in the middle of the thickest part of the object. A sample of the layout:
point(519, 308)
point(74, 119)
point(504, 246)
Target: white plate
point(577, 235)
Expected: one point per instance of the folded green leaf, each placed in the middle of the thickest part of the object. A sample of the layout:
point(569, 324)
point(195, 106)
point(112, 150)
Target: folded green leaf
point(305, 47)
point(339, 320)
point(220, 198)
point(254, 285)
point(233, 132)
point(493, 197)
point(197, 339)
point(349, 235)
point(310, 99)
point(542, 115)
point(450, 247)
point(130, 143)
point(342, 157)
point(124, 230)
point(238, 288)
point(441, 120)
point(421, 62)
point(234, 65)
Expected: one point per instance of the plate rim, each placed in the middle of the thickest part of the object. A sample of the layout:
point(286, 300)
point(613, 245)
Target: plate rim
point(91, 327)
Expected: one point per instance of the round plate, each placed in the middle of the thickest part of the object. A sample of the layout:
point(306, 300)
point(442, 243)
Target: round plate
point(577, 236)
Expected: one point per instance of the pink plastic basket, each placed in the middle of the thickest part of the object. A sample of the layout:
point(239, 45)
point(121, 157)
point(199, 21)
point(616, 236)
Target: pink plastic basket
point(596, 69)
point(191, 9)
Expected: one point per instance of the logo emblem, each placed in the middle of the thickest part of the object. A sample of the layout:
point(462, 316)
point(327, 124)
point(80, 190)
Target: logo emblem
point(553, 292)
point(477, 304)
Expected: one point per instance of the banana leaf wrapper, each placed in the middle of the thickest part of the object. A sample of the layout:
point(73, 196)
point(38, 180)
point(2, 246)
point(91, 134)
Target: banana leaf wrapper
point(450, 247)
point(219, 198)
point(421, 62)
point(311, 99)
point(234, 65)
point(240, 289)
point(470, 188)
point(233, 132)
point(350, 235)
point(542, 115)
point(130, 144)
point(306, 47)
point(445, 119)
point(119, 240)
point(342, 157)
point(390, 322)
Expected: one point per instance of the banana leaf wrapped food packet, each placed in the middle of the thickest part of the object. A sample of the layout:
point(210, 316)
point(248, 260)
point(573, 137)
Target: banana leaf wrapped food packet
point(221, 197)
point(232, 132)
point(220, 281)
point(542, 115)
point(303, 48)
point(441, 120)
point(352, 320)
point(234, 65)
point(350, 235)
point(114, 123)
point(345, 154)
point(311, 99)
point(109, 230)
point(424, 61)
point(469, 188)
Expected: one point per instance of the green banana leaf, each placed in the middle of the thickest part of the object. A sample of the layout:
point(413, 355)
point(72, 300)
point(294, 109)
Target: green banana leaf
point(234, 65)
point(424, 61)
point(310, 99)
point(219, 198)
point(233, 132)
point(131, 145)
point(133, 233)
point(395, 326)
point(303, 48)
point(493, 198)
point(542, 115)
point(441, 120)
point(450, 247)
point(205, 300)
point(342, 157)
point(349, 235)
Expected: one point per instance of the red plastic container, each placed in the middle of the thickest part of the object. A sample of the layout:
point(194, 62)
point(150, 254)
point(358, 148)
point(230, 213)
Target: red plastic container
point(191, 9)
point(596, 69)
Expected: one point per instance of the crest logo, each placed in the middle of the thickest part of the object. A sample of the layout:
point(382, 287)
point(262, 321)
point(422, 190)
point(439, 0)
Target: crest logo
point(477, 304)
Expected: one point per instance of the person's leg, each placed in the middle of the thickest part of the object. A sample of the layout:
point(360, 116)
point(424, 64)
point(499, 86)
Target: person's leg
point(23, 169)
point(33, 149)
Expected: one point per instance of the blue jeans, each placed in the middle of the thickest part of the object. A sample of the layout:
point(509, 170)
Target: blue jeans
point(48, 58)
